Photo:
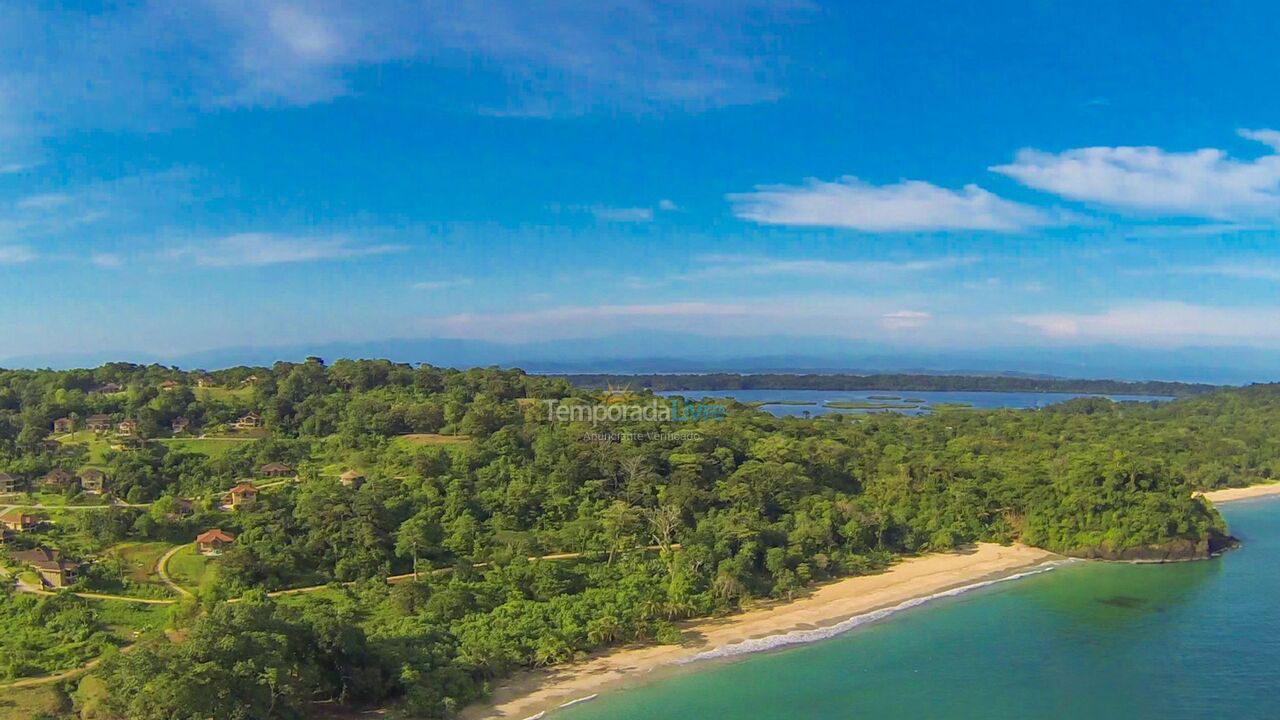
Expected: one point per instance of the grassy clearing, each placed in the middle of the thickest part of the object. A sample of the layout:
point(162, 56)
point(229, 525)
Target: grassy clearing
point(433, 439)
point(224, 394)
point(188, 568)
point(127, 620)
point(140, 559)
point(417, 440)
point(33, 702)
point(97, 445)
point(211, 447)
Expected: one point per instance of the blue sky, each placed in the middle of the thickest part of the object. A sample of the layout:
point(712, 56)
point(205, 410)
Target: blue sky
point(183, 176)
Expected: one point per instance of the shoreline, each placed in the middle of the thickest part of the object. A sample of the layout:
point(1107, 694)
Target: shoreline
point(829, 610)
point(1251, 492)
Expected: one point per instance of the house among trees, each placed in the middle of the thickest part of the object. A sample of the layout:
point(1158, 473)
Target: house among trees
point(213, 542)
point(243, 495)
point(107, 389)
point(127, 427)
point(275, 470)
point(64, 425)
point(18, 520)
point(99, 423)
point(179, 425)
point(352, 479)
point(169, 385)
point(93, 481)
point(205, 381)
point(249, 421)
point(55, 570)
point(9, 483)
point(58, 480)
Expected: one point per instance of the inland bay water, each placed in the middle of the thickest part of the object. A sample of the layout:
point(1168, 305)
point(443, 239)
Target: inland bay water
point(1084, 641)
point(907, 402)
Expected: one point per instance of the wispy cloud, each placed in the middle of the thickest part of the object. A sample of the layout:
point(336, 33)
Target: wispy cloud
point(442, 284)
point(632, 214)
point(758, 266)
point(255, 249)
point(13, 168)
point(1162, 323)
point(852, 316)
point(14, 254)
point(905, 319)
point(1258, 270)
point(44, 201)
point(67, 212)
point(910, 205)
point(556, 58)
point(1205, 183)
point(106, 260)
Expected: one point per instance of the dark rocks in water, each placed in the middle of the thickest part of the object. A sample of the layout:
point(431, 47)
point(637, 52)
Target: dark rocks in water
point(1175, 550)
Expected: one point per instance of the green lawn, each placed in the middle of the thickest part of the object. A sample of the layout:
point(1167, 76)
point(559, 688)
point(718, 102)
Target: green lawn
point(212, 447)
point(98, 446)
point(224, 394)
point(33, 702)
point(126, 620)
point(417, 440)
point(188, 568)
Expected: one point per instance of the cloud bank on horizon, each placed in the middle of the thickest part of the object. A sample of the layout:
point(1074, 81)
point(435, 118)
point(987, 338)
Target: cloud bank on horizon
point(180, 177)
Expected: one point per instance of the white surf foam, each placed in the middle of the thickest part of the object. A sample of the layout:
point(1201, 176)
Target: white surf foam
point(797, 637)
point(581, 700)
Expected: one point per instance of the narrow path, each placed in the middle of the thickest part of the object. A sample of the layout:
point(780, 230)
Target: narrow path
point(39, 680)
point(22, 587)
point(162, 569)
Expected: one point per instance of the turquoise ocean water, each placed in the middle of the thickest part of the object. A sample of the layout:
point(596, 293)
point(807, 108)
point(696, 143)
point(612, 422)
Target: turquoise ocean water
point(1085, 641)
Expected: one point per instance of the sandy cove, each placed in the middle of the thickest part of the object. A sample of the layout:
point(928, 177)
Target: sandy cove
point(1244, 493)
point(529, 693)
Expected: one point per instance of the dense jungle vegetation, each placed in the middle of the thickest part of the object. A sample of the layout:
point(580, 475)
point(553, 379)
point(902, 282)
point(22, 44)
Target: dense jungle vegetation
point(468, 478)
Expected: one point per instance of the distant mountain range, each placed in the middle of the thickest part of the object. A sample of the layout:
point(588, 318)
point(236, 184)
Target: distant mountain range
point(655, 352)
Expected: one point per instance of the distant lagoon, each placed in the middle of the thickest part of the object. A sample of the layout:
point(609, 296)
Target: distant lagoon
point(907, 402)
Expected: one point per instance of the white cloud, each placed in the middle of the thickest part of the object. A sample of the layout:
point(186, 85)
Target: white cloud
point(442, 284)
point(14, 168)
point(71, 68)
point(1162, 323)
point(1258, 270)
point(911, 205)
point(848, 316)
point(1204, 183)
point(905, 319)
point(252, 249)
point(106, 260)
point(634, 214)
point(759, 266)
point(44, 201)
point(14, 254)
point(667, 205)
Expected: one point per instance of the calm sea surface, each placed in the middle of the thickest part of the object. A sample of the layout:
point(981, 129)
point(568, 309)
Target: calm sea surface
point(1086, 641)
point(903, 401)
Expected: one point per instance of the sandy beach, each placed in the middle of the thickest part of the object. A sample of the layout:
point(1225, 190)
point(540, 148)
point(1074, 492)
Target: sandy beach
point(1244, 493)
point(529, 693)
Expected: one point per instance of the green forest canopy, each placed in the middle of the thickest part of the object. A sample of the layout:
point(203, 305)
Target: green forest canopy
point(759, 506)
